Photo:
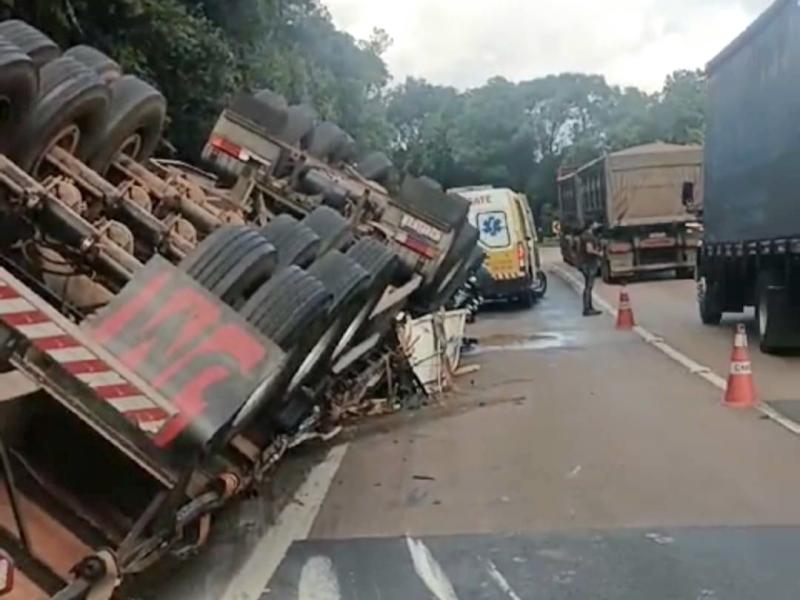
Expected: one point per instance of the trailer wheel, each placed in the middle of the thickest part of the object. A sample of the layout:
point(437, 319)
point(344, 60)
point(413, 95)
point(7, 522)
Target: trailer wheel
point(296, 243)
point(133, 125)
point(274, 112)
point(774, 328)
point(19, 84)
point(69, 113)
point(106, 68)
point(31, 41)
point(375, 166)
point(453, 268)
point(331, 227)
point(291, 310)
point(381, 263)
point(348, 282)
point(346, 152)
point(708, 301)
point(426, 196)
point(300, 121)
point(326, 140)
point(232, 263)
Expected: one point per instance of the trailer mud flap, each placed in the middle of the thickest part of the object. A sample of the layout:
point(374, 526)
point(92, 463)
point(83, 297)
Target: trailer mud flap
point(188, 345)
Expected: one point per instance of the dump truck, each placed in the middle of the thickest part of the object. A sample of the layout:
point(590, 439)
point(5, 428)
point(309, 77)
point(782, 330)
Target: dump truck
point(751, 244)
point(166, 336)
point(645, 198)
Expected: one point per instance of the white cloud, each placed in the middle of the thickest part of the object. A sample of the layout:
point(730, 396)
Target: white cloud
point(464, 42)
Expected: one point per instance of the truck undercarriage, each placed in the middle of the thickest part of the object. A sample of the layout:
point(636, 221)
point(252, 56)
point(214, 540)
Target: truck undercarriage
point(181, 330)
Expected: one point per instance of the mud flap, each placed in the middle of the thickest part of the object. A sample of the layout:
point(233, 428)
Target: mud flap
point(783, 328)
point(202, 356)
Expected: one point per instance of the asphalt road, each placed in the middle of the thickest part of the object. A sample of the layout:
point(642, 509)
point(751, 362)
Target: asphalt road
point(579, 462)
point(668, 308)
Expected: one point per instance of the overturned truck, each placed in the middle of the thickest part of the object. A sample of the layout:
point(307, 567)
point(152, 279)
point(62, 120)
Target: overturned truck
point(169, 332)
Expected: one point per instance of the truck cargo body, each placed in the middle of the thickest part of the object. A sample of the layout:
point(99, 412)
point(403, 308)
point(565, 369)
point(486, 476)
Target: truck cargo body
point(640, 197)
point(751, 247)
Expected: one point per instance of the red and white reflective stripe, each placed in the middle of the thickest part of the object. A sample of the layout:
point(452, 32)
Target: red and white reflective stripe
point(6, 573)
point(741, 368)
point(66, 350)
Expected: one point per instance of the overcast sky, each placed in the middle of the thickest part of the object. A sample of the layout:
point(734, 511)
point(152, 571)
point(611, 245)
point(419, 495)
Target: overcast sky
point(464, 42)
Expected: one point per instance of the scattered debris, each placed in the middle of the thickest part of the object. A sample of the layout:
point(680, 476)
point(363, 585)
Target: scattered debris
point(424, 478)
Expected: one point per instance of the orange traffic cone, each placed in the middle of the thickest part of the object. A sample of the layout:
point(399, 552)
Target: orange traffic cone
point(741, 390)
point(625, 320)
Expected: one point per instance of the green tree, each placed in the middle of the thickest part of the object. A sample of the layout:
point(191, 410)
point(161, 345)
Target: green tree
point(680, 113)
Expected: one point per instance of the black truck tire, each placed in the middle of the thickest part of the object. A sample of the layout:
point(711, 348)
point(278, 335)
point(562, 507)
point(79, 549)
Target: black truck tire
point(326, 140)
point(291, 309)
point(288, 306)
point(296, 243)
point(332, 228)
point(31, 41)
point(300, 120)
point(777, 322)
point(70, 111)
point(317, 182)
point(426, 196)
point(106, 67)
point(133, 124)
point(454, 267)
point(382, 264)
point(19, 86)
point(708, 300)
point(347, 282)
point(345, 152)
point(232, 263)
point(375, 166)
point(273, 110)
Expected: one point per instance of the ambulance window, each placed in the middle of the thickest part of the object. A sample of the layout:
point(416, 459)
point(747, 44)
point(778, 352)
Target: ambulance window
point(493, 228)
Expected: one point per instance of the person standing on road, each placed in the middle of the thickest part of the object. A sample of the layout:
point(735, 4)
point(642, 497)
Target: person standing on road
point(590, 254)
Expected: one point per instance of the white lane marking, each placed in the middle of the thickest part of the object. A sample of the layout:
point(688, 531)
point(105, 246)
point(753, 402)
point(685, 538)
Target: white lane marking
point(498, 577)
point(430, 571)
point(318, 580)
point(39, 331)
point(693, 366)
point(294, 523)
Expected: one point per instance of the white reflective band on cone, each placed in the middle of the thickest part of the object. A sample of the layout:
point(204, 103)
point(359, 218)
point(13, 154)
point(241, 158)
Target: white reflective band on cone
point(741, 368)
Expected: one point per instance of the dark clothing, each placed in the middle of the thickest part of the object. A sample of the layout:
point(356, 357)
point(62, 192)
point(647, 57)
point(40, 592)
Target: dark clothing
point(589, 265)
point(589, 273)
point(589, 260)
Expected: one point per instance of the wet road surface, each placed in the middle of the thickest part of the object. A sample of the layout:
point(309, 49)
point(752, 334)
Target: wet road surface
point(668, 308)
point(579, 462)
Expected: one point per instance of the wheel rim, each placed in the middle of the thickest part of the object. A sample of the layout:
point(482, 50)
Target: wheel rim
point(353, 328)
point(314, 356)
point(450, 274)
point(67, 139)
point(131, 146)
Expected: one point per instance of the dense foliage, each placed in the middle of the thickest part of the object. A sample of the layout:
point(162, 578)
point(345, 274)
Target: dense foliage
point(198, 52)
